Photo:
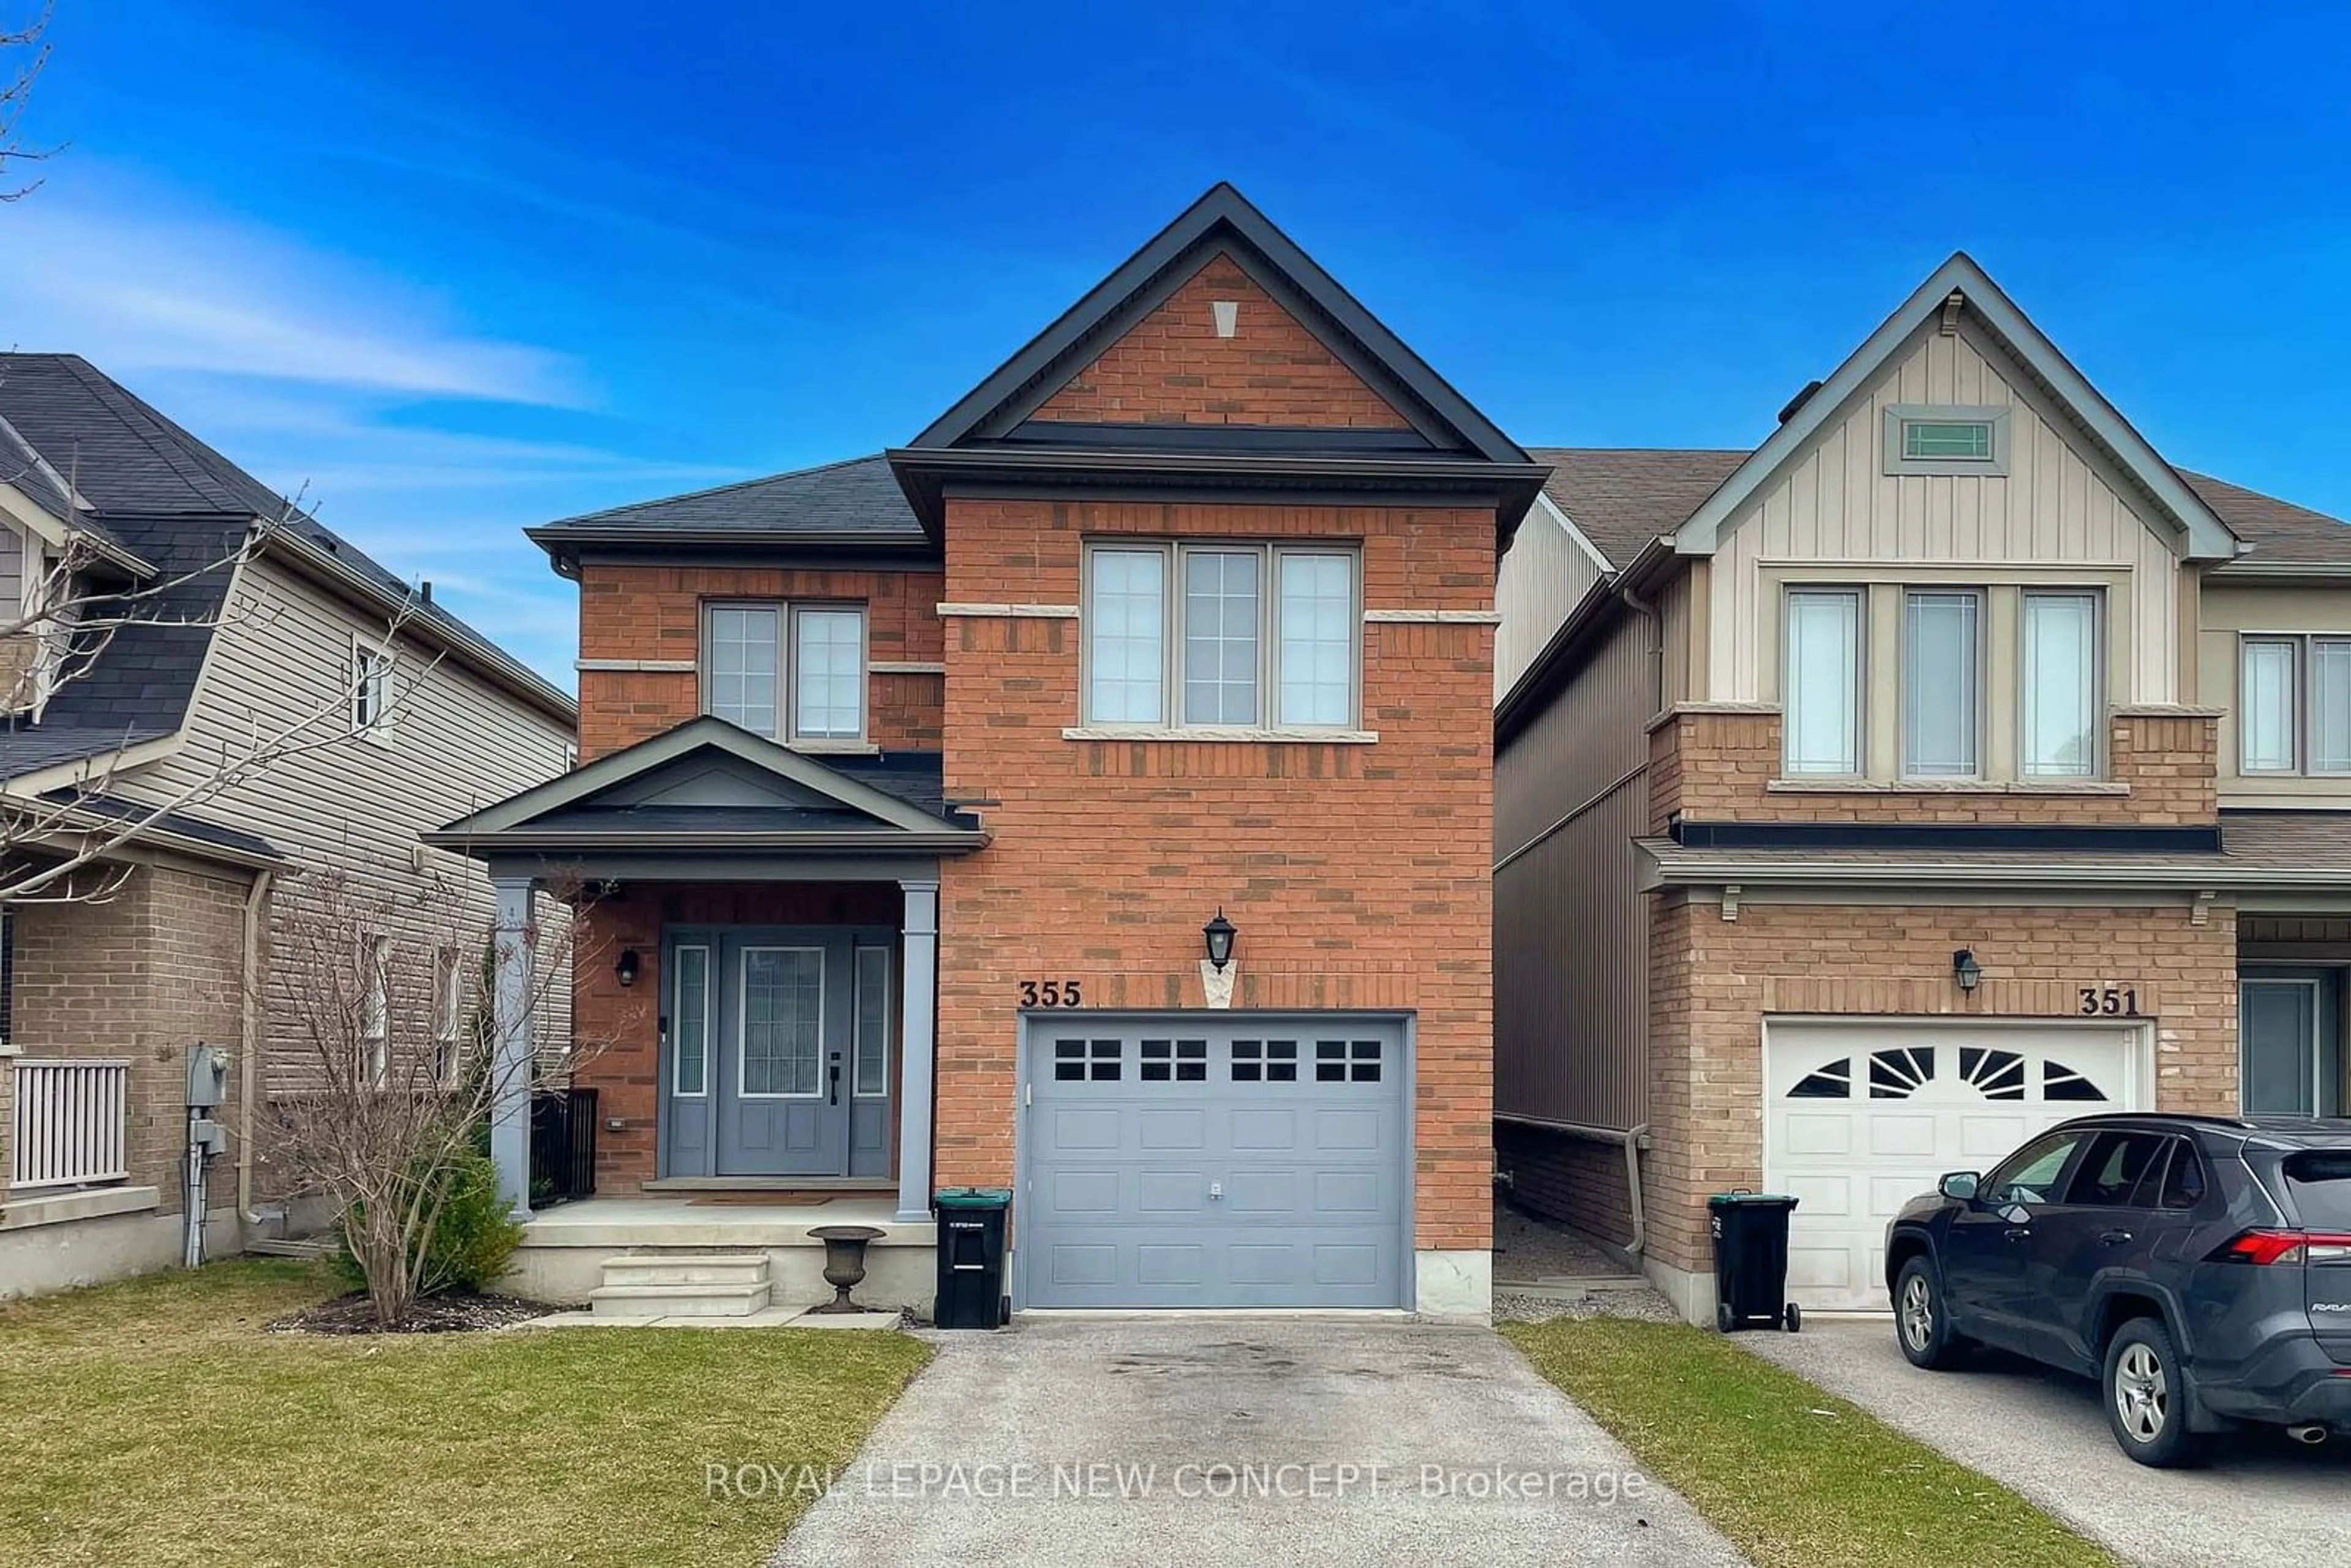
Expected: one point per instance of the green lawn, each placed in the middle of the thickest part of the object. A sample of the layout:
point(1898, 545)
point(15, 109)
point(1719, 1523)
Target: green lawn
point(1794, 1476)
point(155, 1422)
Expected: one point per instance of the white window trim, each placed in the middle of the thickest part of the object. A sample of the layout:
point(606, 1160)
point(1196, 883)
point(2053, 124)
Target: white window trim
point(2305, 709)
point(1904, 762)
point(788, 620)
point(1269, 726)
point(375, 1006)
point(1859, 738)
point(2099, 706)
point(1898, 461)
point(374, 665)
point(742, 1026)
point(448, 1011)
point(858, 1087)
point(676, 1064)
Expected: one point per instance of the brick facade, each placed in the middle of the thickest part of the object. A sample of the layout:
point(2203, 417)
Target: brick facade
point(143, 975)
point(653, 613)
point(1718, 764)
point(1712, 983)
point(1171, 368)
point(1357, 874)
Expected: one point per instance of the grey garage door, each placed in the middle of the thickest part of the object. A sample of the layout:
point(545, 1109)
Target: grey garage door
point(1211, 1159)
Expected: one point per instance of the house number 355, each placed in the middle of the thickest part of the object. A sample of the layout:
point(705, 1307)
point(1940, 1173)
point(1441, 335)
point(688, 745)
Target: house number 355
point(1050, 994)
point(2110, 1001)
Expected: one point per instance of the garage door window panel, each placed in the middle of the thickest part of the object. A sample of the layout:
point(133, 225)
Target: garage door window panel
point(1831, 1082)
point(1901, 1072)
point(1265, 1061)
point(1996, 1074)
point(1173, 1061)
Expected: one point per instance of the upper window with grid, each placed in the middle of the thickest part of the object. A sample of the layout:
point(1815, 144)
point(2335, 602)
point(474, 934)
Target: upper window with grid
point(1221, 636)
point(790, 671)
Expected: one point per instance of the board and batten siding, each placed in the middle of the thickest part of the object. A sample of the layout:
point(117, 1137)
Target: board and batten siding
point(1571, 929)
point(355, 807)
point(1545, 574)
point(2062, 506)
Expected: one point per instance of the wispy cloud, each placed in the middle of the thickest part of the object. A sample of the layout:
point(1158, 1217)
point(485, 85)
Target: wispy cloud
point(118, 277)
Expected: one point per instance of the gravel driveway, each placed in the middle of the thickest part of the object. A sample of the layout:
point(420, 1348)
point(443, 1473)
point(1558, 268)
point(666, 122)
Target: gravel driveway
point(2264, 1501)
point(1181, 1413)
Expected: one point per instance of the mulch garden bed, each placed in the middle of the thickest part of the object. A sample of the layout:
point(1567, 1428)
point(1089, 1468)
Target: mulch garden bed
point(355, 1315)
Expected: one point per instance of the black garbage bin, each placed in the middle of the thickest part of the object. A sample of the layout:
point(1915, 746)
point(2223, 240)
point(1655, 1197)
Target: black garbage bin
point(971, 1257)
point(1750, 1260)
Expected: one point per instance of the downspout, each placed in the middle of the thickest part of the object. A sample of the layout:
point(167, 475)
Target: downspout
point(1632, 1137)
point(256, 900)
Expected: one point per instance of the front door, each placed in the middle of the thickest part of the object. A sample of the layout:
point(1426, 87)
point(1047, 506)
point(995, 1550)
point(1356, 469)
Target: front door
point(775, 1044)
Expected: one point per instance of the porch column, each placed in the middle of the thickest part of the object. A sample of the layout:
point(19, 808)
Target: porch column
point(918, 1046)
point(510, 1064)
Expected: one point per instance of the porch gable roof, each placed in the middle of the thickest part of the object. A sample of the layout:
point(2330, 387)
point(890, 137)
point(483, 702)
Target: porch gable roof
point(710, 784)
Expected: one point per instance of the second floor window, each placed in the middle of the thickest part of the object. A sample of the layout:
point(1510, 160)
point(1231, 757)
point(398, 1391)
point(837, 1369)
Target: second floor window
point(2294, 704)
point(790, 671)
point(1944, 701)
point(1221, 635)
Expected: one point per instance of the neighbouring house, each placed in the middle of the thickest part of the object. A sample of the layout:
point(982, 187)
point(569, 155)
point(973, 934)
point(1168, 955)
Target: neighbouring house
point(911, 784)
point(264, 707)
point(1945, 766)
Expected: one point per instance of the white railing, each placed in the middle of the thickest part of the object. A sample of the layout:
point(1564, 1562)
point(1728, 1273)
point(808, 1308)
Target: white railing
point(70, 1123)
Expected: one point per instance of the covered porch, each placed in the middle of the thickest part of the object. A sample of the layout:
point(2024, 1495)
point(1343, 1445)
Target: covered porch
point(2294, 960)
point(753, 995)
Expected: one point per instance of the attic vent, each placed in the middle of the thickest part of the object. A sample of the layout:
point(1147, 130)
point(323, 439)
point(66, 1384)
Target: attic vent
point(327, 542)
point(1227, 313)
point(1799, 401)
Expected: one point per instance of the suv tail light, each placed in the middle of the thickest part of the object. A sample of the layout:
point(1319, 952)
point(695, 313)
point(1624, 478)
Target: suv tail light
point(2265, 1247)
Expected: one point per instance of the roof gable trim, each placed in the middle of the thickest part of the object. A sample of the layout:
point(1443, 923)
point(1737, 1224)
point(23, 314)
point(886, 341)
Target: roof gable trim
point(1224, 218)
point(622, 773)
point(2206, 536)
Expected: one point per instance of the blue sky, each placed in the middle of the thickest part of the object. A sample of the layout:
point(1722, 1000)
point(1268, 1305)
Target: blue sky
point(490, 265)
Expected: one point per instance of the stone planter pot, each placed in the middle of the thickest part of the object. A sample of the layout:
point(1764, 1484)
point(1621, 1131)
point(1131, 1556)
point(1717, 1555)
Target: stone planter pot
point(844, 1261)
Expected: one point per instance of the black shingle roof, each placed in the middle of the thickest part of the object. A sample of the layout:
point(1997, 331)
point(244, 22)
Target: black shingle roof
point(159, 493)
point(859, 495)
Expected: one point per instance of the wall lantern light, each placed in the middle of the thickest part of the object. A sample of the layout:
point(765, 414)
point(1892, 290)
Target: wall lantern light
point(1966, 970)
point(1219, 934)
point(625, 970)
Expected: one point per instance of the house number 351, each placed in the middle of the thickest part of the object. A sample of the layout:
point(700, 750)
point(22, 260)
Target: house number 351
point(2110, 1001)
point(1050, 994)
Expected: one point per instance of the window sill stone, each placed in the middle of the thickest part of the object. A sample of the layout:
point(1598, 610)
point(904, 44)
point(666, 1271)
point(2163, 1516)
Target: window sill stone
point(1226, 735)
point(1946, 787)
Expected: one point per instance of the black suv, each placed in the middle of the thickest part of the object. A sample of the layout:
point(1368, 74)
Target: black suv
point(2199, 1267)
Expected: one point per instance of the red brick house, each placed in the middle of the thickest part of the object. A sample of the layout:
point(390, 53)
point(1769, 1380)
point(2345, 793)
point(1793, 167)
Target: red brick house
point(913, 781)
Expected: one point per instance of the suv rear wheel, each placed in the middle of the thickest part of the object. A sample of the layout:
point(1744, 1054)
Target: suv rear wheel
point(2146, 1400)
point(1920, 1324)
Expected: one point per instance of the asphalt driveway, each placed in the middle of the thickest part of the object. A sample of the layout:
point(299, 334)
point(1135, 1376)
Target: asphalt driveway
point(1221, 1440)
point(2264, 1501)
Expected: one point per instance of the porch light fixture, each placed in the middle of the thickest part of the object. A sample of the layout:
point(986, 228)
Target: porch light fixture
point(625, 969)
point(1219, 934)
point(1966, 970)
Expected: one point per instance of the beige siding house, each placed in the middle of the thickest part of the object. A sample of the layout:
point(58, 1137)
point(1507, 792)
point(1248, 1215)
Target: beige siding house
point(278, 718)
point(1945, 766)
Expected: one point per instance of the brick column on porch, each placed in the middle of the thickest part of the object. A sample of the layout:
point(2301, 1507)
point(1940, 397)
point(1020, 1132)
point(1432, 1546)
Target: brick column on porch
point(917, 1047)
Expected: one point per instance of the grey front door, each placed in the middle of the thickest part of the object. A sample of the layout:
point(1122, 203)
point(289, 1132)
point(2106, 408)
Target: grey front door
point(1211, 1159)
point(776, 1053)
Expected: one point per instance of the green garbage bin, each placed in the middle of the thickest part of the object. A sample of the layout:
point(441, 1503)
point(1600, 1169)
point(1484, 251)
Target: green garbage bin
point(970, 1292)
point(1750, 1260)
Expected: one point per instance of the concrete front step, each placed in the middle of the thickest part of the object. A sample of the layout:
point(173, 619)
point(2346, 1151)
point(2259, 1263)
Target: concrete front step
point(686, 1269)
point(731, 1301)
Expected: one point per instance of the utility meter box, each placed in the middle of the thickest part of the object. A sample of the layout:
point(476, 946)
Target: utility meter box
point(207, 1076)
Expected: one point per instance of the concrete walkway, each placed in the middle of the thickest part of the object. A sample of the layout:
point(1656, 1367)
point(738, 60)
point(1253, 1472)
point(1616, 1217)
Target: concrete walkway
point(1221, 1440)
point(2263, 1502)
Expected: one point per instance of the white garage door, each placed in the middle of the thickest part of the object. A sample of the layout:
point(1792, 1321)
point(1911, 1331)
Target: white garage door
point(1860, 1118)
